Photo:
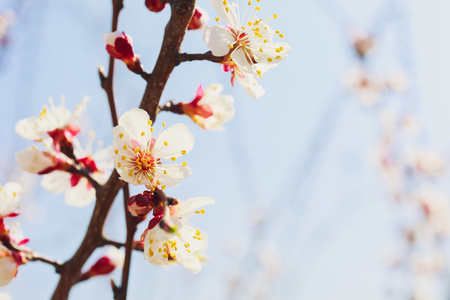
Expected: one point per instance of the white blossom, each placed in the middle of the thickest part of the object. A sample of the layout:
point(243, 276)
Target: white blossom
point(10, 195)
point(186, 245)
point(139, 158)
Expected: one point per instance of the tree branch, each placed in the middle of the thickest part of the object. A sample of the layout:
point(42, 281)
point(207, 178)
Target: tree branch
point(121, 293)
point(182, 11)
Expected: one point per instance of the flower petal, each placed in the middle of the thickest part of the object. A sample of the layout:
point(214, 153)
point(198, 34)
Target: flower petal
point(174, 174)
point(218, 39)
point(173, 142)
point(190, 205)
point(136, 123)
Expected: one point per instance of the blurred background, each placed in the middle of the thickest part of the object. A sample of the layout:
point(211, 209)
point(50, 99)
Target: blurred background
point(315, 196)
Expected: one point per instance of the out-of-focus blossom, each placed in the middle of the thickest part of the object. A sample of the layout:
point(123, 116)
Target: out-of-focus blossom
point(9, 198)
point(40, 162)
point(5, 296)
point(155, 5)
point(113, 259)
point(424, 288)
point(248, 42)
point(210, 109)
point(54, 121)
point(120, 46)
point(7, 20)
point(185, 245)
point(425, 161)
point(8, 266)
point(79, 192)
point(362, 42)
point(369, 88)
point(436, 209)
point(428, 262)
point(139, 158)
point(247, 81)
point(199, 19)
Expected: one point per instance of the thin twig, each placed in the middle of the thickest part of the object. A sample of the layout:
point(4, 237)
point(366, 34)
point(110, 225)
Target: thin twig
point(182, 57)
point(121, 294)
point(107, 81)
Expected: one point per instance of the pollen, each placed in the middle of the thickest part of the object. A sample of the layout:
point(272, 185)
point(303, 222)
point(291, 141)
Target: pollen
point(269, 59)
point(227, 9)
point(165, 255)
point(123, 157)
point(275, 16)
point(136, 150)
point(164, 124)
point(165, 172)
point(217, 19)
point(142, 133)
point(260, 49)
point(183, 152)
point(152, 129)
point(281, 35)
point(225, 2)
point(185, 164)
point(249, 3)
point(121, 135)
point(173, 158)
point(125, 147)
point(230, 46)
point(277, 32)
point(278, 57)
point(149, 122)
point(163, 187)
point(257, 8)
point(116, 151)
point(119, 165)
point(165, 143)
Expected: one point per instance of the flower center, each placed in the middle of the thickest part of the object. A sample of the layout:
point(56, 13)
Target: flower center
point(144, 160)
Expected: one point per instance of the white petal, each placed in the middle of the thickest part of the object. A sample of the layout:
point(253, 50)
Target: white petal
point(174, 174)
point(178, 138)
point(136, 122)
point(230, 17)
point(29, 129)
point(251, 86)
point(240, 59)
point(223, 111)
point(218, 39)
point(192, 205)
point(56, 182)
point(9, 198)
point(110, 37)
point(80, 195)
point(8, 269)
point(33, 160)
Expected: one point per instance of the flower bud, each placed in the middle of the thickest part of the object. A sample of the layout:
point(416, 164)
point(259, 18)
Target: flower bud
point(120, 46)
point(199, 19)
point(113, 259)
point(36, 161)
point(155, 5)
point(140, 205)
point(209, 109)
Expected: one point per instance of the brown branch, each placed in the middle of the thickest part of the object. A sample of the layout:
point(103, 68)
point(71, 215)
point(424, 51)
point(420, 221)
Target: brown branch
point(107, 81)
point(34, 256)
point(182, 11)
point(182, 57)
point(121, 293)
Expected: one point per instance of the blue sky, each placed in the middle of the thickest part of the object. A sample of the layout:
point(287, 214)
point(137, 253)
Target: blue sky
point(296, 159)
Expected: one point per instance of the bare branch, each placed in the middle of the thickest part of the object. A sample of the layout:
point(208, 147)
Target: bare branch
point(182, 57)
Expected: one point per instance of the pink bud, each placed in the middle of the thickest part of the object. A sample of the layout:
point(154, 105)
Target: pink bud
point(113, 259)
point(155, 5)
point(194, 109)
point(199, 19)
point(140, 205)
point(120, 46)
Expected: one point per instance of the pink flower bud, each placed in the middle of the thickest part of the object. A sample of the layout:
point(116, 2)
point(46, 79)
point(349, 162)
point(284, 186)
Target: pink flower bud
point(120, 46)
point(155, 5)
point(113, 259)
point(199, 19)
point(140, 205)
point(193, 108)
